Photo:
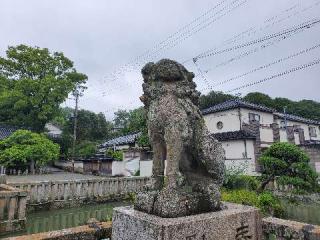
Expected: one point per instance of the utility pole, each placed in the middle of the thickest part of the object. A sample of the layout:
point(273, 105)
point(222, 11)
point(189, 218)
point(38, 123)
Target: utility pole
point(76, 94)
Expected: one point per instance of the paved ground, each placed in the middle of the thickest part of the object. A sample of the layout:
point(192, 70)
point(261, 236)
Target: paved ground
point(49, 177)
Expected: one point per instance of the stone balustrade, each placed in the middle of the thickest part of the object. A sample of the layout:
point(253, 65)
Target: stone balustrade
point(61, 193)
point(12, 209)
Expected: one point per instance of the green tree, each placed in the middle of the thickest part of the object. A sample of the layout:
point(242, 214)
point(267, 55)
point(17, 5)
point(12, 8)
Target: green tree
point(86, 149)
point(90, 126)
point(26, 147)
point(259, 98)
point(34, 83)
point(288, 164)
point(213, 98)
point(133, 121)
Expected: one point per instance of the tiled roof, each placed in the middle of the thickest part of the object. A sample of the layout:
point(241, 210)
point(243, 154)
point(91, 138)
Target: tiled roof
point(6, 131)
point(235, 135)
point(123, 140)
point(295, 118)
point(236, 103)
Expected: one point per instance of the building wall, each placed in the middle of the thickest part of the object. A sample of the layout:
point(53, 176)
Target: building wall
point(305, 128)
point(229, 118)
point(146, 168)
point(118, 168)
point(283, 135)
point(265, 118)
point(266, 136)
point(313, 152)
point(240, 155)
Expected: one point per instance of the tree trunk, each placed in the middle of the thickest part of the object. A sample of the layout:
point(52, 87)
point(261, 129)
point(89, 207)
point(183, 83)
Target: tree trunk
point(264, 184)
point(32, 167)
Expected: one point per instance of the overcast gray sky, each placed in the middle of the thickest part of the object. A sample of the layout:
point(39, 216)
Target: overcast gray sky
point(102, 36)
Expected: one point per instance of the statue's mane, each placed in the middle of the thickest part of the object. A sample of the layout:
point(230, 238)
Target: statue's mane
point(166, 71)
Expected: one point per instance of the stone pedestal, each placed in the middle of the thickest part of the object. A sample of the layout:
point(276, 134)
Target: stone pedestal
point(234, 222)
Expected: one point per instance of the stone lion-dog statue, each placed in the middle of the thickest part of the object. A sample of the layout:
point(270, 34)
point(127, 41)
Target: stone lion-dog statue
point(178, 136)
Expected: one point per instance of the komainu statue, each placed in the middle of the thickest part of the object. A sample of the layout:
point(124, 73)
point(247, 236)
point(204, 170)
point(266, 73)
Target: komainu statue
point(189, 181)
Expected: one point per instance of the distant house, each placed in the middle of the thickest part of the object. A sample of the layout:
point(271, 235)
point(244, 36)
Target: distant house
point(246, 129)
point(135, 158)
point(122, 142)
point(53, 130)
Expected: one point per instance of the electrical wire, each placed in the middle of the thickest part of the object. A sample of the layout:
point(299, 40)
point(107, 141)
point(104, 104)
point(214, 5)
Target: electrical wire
point(298, 68)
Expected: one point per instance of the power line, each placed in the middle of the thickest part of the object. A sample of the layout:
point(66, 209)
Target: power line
point(166, 47)
point(275, 38)
point(265, 66)
point(253, 30)
point(308, 24)
point(233, 39)
point(179, 39)
point(255, 50)
point(310, 64)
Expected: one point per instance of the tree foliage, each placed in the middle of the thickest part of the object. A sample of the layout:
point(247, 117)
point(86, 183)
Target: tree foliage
point(34, 82)
point(24, 147)
point(213, 98)
point(133, 121)
point(90, 126)
point(289, 165)
point(86, 149)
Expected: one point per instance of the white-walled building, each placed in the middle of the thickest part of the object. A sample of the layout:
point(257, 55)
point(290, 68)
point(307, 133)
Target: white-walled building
point(246, 129)
point(135, 158)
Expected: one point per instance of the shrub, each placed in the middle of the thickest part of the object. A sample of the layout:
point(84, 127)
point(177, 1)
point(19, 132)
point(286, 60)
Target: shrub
point(26, 147)
point(290, 165)
point(266, 202)
point(270, 204)
point(86, 149)
point(241, 197)
point(242, 182)
point(117, 155)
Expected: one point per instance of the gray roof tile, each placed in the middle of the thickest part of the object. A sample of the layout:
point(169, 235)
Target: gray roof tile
point(6, 131)
point(123, 140)
point(234, 135)
point(236, 103)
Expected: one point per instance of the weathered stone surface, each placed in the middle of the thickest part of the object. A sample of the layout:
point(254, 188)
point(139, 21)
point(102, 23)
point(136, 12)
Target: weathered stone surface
point(233, 222)
point(275, 228)
point(101, 230)
point(178, 135)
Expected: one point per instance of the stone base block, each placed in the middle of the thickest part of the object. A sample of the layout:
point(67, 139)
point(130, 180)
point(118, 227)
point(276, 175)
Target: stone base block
point(236, 222)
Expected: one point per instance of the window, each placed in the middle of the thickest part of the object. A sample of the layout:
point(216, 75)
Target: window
point(254, 117)
point(220, 125)
point(313, 131)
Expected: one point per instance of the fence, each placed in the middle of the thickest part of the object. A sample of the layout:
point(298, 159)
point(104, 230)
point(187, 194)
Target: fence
point(59, 193)
point(12, 209)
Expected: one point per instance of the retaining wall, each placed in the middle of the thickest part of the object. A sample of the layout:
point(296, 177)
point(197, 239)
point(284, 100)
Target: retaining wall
point(272, 228)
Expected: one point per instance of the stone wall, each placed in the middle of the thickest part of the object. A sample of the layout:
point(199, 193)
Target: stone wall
point(56, 194)
point(87, 232)
point(280, 229)
point(272, 228)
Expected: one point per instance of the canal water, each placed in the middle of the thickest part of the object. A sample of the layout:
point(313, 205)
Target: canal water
point(45, 221)
point(302, 212)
